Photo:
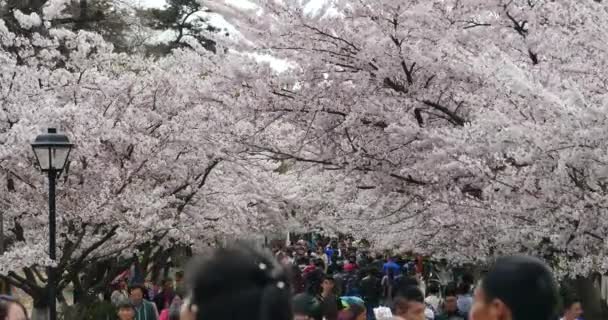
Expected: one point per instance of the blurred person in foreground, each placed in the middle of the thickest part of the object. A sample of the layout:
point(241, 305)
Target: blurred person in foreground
point(125, 310)
point(11, 309)
point(409, 304)
point(237, 282)
point(516, 288)
point(353, 309)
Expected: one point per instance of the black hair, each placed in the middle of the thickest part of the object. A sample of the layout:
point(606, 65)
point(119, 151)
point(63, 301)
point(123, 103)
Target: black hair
point(525, 284)
point(450, 291)
point(319, 263)
point(411, 293)
point(570, 300)
point(433, 289)
point(403, 283)
point(313, 281)
point(468, 279)
point(124, 305)
point(464, 288)
point(407, 295)
point(240, 281)
point(137, 286)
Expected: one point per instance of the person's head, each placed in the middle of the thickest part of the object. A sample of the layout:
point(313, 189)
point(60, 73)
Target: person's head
point(125, 311)
point(319, 263)
point(179, 276)
point(353, 312)
point(122, 284)
point(239, 281)
point(11, 309)
point(320, 250)
point(468, 279)
point(464, 289)
point(313, 281)
point(409, 304)
point(573, 308)
point(306, 307)
point(403, 284)
point(136, 294)
point(167, 284)
point(433, 290)
point(328, 284)
point(450, 302)
point(175, 308)
point(516, 288)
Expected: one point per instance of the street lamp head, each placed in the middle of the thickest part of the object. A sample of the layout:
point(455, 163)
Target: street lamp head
point(52, 150)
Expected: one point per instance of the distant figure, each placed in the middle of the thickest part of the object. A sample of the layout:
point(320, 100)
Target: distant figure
point(432, 298)
point(516, 288)
point(465, 298)
point(573, 309)
point(165, 297)
point(330, 299)
point(450, 308)
point(120, 295)
point(144, 309)
point(391, 265)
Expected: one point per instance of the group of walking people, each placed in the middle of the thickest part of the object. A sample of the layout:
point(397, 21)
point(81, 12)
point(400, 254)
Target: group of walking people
point(241, 281)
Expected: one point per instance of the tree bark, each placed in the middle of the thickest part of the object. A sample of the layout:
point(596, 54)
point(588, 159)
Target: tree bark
point(40, 313)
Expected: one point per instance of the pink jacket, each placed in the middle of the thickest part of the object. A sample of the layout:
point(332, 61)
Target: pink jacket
point(164, 315)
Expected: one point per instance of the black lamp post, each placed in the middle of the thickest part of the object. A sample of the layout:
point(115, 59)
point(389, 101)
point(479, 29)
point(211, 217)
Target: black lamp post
point(52, 150)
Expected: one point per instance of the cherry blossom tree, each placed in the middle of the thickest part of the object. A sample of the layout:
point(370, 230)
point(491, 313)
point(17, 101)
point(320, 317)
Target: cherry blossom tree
point(466, 129)
point(156, 164)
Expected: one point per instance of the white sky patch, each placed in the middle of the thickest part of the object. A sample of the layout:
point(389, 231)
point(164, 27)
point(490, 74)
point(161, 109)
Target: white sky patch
point(218, 21)
point(242, 4)
point(150, 3)
point(279, 65)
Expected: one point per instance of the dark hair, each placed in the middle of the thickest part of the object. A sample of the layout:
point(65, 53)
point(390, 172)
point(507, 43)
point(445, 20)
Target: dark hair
point(313, 281)
point(433, 289)
point(403, 283)
point(137, 286)
point(464, 288)
point(124, 305)
point(5, 303)
point(569, 301)
point(525, 284)
point(319, 263)
point(351, 313)
point(450, 291)
point(411, 293)
point(468, 279)
point(240, 281)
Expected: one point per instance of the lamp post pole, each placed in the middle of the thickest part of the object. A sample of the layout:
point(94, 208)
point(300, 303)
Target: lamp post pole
point(52, 150)
point(52, 281)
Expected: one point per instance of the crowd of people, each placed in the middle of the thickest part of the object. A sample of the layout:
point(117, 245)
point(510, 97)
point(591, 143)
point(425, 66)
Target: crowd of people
point(245, 282)
point(147, 302)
